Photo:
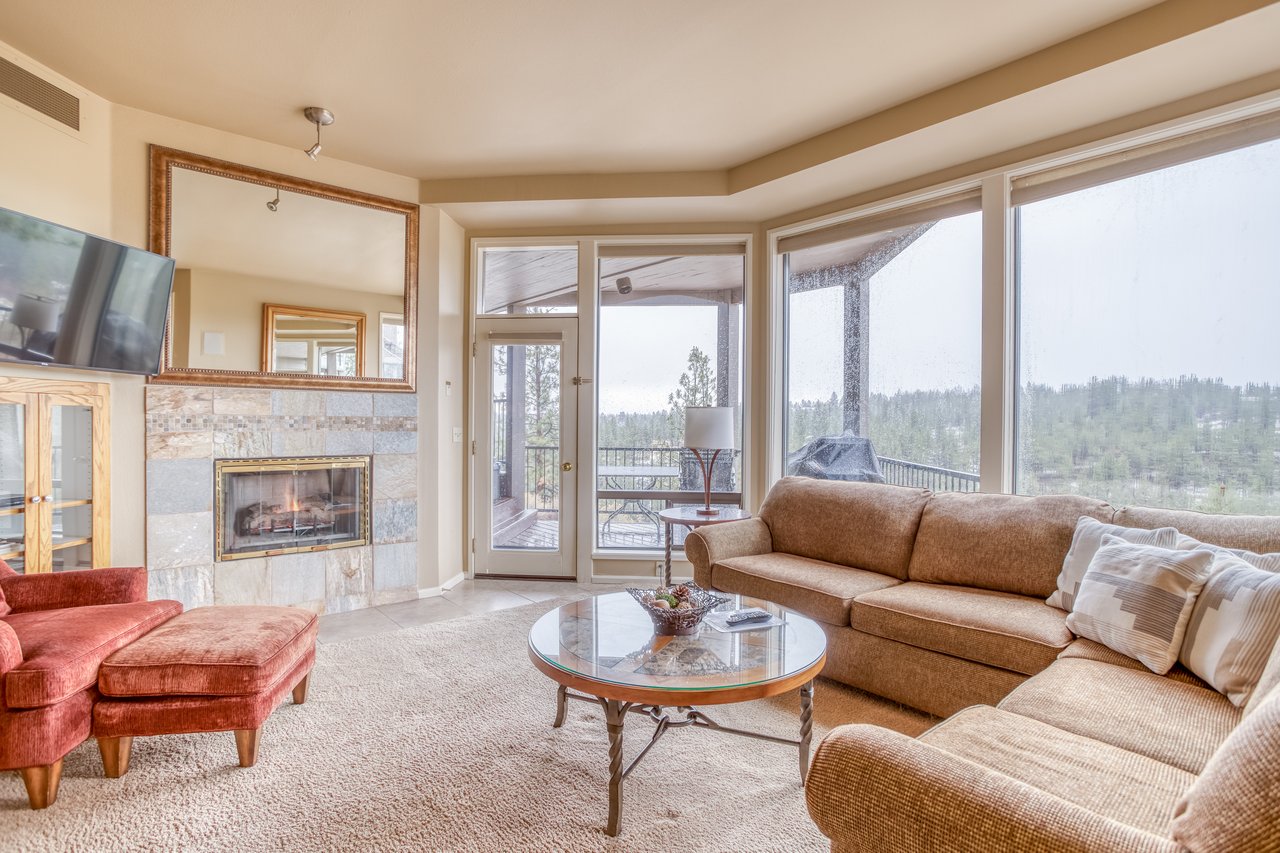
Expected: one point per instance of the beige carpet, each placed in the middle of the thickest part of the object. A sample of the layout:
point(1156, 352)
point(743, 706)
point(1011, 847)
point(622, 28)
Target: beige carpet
point(440, 738)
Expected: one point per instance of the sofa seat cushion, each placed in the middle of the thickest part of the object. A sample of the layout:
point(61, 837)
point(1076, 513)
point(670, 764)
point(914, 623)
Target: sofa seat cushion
point(1125, 786)
point(62, 649)
point(1173, 722)
point(213, 651)
point(819, 590)
point(1012, 632)
point(1008, 543)
point(1086, 649)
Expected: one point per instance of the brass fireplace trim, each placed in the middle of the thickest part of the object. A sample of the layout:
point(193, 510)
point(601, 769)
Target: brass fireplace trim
point(291, 463)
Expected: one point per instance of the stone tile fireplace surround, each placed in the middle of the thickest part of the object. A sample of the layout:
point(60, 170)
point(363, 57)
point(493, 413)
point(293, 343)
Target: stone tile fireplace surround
point(189, 427)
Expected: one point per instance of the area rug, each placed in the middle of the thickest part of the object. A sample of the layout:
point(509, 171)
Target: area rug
point(440, 738)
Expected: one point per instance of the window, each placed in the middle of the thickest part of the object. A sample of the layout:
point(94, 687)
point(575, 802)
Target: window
point(528, 280)
point(883, 349)
point(1148, 368)
point(391, 345)
point(670, 336)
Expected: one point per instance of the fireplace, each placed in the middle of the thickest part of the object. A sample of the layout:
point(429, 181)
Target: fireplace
point(282, 506)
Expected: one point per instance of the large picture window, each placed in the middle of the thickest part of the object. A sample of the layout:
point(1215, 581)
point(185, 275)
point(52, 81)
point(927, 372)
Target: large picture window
point(883, 351)
point(1149, 364)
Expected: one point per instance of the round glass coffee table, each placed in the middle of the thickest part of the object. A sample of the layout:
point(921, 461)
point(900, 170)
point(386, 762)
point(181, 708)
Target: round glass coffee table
point(602, 649)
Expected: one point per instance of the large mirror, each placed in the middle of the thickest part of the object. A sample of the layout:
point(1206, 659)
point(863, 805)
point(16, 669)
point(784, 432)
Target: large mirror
point(282, 281)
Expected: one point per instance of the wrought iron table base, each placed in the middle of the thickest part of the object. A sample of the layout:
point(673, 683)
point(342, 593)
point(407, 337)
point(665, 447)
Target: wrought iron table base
point(615, 711)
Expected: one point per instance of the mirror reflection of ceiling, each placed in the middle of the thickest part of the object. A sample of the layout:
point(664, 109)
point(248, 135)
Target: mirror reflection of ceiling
point(224, 224)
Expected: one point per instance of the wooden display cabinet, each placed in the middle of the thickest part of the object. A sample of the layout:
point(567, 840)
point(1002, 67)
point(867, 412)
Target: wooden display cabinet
point(54, 474)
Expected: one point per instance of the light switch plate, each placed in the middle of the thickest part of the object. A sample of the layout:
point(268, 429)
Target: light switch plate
point(214, 343)
point(457, 435)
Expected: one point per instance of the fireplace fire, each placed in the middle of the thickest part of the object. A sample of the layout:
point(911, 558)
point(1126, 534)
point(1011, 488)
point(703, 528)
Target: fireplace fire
point(282, 506)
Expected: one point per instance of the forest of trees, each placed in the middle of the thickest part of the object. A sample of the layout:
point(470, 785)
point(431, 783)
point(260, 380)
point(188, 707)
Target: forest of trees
point(1184, 443)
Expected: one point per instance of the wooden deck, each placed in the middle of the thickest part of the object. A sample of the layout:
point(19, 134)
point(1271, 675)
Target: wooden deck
point(542, 534)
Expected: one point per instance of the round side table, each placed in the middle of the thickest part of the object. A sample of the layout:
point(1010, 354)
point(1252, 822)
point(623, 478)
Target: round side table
point(689, 516)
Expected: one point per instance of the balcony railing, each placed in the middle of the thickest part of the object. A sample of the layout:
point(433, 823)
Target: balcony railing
point(899, 472)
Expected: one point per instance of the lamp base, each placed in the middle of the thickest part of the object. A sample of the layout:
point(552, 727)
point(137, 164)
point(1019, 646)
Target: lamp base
point(711, 511)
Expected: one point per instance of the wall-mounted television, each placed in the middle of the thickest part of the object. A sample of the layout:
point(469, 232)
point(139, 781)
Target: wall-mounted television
point(68, 298)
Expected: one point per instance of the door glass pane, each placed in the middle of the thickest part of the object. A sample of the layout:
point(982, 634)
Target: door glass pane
point(72, 453)
point(883, 356)
point(670, 338)
point(12, 540)
point(526, 447)
point(13, 486)
point(1148, 369)
point(528, 280)
point(73, 558)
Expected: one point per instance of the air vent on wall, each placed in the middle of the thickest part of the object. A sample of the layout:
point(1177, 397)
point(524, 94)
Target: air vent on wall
point(40, 95)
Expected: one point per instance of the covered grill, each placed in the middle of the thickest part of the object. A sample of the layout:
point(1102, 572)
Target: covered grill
point(846, 457)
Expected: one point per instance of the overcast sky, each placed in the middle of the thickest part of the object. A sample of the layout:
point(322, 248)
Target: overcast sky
point(1166, 274)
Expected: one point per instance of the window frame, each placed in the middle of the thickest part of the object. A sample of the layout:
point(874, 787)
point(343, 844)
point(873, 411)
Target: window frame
point(1203, 135)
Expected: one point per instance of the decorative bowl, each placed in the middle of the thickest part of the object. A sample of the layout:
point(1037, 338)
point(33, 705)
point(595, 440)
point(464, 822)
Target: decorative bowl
point(673, 622)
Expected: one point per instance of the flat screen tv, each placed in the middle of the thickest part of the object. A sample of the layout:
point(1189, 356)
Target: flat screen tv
point(71, 299)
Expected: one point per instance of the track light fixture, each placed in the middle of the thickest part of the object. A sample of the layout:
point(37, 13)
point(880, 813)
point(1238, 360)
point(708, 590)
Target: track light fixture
point(320, 117)
point(274, 204)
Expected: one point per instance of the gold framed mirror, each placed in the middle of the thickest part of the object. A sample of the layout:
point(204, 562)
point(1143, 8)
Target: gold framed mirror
point(255, 249)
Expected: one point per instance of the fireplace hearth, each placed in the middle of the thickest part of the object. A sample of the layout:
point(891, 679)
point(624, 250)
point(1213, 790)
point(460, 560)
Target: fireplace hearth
point(282, 506)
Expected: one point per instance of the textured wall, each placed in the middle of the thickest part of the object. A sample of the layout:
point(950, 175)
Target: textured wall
point(189, 427)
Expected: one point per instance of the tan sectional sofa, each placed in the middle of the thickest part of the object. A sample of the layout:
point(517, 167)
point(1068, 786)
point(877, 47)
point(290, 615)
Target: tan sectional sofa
point(1052, 742)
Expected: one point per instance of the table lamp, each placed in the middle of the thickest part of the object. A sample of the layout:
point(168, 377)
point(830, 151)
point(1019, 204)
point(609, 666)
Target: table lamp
point(708, 428)
point(32, 314)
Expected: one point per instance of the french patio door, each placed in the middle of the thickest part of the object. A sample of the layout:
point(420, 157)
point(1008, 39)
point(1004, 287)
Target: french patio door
point(525, 454)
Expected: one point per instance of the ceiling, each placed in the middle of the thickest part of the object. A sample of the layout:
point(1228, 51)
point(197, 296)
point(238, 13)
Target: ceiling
point(576, 110)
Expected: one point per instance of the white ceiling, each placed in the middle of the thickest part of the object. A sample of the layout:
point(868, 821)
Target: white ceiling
point(224, 224)
point(491, 88)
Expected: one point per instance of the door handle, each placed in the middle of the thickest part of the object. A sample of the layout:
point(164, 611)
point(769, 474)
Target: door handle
point(566, 466)
point(35, 499)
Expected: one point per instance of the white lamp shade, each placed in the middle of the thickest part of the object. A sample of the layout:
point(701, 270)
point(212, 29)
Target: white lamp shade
point(709, 427)
point(37, 313)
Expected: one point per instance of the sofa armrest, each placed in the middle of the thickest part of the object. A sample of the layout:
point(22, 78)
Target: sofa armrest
point(75, 589)
point(707, 546)
point(10, 648)
point(874, 789)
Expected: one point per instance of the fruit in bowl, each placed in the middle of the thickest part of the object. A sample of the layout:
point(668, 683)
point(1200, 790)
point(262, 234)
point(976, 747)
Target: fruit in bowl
point(676, 610)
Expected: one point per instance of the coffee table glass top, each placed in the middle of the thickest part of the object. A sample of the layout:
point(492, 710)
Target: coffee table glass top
point(609, 638)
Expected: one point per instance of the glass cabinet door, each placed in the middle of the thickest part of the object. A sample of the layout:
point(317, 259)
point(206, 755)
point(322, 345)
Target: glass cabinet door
point(13, 484)
point(71, 486)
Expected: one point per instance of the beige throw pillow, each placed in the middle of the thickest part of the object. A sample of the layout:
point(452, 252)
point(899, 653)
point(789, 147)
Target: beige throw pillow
point(1234, 625)
point(1137, 600)
point(1085, 543)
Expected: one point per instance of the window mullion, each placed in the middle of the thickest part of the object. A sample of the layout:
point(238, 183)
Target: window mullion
point(999, 340)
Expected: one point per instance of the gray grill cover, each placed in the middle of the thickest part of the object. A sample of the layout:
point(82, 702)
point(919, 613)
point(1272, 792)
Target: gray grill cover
point(845, 457)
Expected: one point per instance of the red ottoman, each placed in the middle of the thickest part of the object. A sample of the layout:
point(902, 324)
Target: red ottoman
point(212, 669)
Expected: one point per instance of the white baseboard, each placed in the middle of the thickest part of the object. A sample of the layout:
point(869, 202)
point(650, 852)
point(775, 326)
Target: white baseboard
point(436, 591)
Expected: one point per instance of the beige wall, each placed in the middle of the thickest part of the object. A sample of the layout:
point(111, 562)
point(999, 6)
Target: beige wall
point(231, 303)
point(97, 182)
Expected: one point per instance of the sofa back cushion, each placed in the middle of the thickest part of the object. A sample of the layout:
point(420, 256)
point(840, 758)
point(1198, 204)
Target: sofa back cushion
point(864, 525)
point(1248, 532)
point(1009, 543)
point(1232, 805)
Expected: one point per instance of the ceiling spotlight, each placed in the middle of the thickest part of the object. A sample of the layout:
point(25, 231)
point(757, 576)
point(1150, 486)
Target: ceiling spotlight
point(320, 117)
point(274, 204)
point(624, 285)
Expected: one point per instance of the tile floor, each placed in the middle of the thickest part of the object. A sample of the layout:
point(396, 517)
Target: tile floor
point(467, 598)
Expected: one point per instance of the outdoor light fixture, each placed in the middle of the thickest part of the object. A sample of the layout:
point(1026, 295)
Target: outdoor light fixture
point(320, 117)
point(624, 285)
point(274, 204)
point(709, 428)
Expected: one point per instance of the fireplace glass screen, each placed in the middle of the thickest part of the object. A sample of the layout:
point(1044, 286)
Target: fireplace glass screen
point(280, 506)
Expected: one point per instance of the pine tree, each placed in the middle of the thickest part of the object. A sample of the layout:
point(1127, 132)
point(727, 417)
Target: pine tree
point(697, 387)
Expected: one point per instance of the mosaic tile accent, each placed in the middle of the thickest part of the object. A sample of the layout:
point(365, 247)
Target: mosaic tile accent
point(188, 427)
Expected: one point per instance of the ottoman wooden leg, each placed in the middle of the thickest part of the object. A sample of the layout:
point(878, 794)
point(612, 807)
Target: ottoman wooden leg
point(247, 746)
point(300, 690)
point(115, 755)
point(42, 783)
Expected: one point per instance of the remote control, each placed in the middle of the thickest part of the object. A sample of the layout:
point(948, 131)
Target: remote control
point(742, 616)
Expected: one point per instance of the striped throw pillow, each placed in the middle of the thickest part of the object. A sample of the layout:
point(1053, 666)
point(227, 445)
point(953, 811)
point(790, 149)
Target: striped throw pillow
point(1137, 600)
point(1234, 625)
point(1085, 543)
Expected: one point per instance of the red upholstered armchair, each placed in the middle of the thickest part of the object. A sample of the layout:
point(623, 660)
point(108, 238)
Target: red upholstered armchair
point(55, 629)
